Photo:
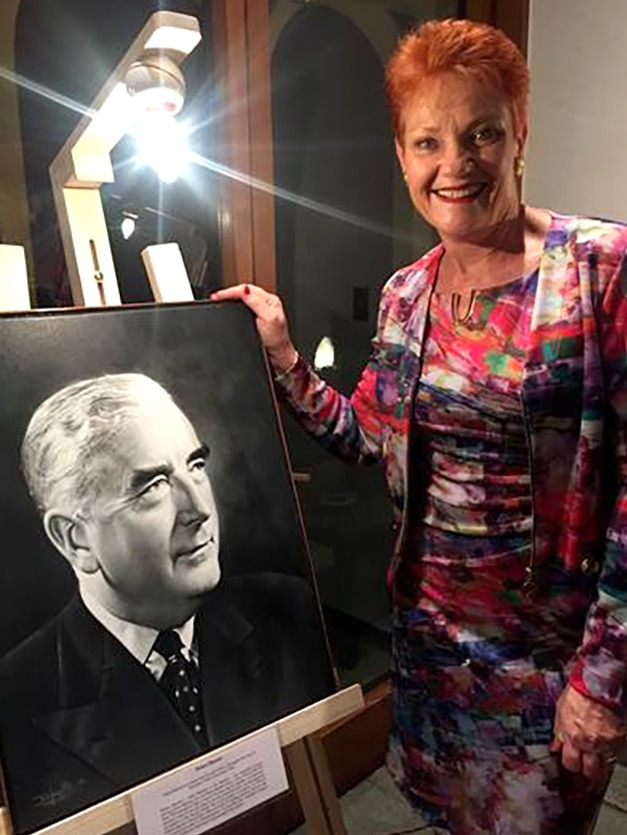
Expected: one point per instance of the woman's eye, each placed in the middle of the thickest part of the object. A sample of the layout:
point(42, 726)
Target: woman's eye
point(426, 143)
point(486, 135)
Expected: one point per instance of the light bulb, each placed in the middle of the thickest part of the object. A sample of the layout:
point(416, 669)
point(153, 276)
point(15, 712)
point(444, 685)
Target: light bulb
point(162, 144)
point(156, 84)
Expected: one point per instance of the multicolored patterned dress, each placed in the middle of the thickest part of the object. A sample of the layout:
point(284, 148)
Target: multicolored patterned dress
point(479, 665)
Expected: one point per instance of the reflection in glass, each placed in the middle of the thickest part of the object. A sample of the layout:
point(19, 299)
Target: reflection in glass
point(334, 149)
point(62, 58)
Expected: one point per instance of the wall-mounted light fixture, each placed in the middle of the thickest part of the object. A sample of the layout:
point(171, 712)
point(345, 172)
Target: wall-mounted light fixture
point(156, 84)
point(146, 83)
point(157, 89)
point(128, 225)
point(325, 354)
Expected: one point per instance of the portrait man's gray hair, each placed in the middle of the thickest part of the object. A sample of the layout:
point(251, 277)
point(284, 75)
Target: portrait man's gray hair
point(76, 424)
point(167, 640)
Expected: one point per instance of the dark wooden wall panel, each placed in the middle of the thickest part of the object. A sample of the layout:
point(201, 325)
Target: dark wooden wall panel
point(511, 16)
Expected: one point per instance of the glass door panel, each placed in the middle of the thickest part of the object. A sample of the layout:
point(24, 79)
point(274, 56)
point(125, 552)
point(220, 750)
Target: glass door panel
point(61, 59)
point(343, 225)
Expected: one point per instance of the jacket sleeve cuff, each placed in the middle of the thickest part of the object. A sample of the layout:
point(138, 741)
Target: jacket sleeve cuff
point(296, 383)
point(599, 670)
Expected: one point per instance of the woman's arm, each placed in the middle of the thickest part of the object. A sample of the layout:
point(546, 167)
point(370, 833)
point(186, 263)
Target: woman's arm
point(591, 719)
point(348, 427)
point(600, 670)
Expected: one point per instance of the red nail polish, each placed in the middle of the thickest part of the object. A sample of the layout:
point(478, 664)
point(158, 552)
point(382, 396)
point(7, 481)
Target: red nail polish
point(246, 290)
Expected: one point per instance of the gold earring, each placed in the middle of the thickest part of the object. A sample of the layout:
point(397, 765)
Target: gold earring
point(519, 166)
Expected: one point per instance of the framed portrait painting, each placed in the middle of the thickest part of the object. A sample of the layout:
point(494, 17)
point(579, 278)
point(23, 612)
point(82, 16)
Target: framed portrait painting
point(156, 595)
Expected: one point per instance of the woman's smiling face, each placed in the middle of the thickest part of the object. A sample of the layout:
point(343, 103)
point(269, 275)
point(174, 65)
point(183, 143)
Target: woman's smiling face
point(458, 149)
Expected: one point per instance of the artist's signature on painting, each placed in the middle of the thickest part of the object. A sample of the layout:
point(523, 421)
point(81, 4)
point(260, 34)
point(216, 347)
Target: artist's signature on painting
point(53, 796)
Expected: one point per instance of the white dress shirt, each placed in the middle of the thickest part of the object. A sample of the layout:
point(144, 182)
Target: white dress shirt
point(139, 640)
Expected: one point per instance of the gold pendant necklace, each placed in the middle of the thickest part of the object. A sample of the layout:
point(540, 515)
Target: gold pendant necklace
point(456, 300)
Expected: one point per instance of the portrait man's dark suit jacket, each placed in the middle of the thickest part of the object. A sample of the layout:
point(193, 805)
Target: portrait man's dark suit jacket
point(81, 719)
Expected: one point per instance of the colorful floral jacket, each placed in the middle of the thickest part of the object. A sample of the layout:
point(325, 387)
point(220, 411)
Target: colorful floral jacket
point(574, 396)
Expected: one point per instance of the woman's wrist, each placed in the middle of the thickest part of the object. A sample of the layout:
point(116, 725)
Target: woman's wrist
point(283, 361)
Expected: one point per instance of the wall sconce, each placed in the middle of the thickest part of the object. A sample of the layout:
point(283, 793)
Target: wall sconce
point(147, 81)
point(325, 354)
point(128, 225)
point(157, 89)
point(156, 84)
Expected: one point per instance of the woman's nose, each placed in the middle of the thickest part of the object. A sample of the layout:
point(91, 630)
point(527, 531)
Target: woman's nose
point(456, 158)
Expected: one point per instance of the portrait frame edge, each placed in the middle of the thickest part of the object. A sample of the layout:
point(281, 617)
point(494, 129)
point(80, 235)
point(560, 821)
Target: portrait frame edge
point(292, 728)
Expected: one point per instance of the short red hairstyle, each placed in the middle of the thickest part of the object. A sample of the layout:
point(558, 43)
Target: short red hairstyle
point(463, 47)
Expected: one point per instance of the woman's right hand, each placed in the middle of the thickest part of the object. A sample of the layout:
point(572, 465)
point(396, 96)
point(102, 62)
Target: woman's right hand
point(270, 319)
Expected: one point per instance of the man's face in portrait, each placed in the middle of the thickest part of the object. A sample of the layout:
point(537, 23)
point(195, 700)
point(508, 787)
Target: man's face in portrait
point(151, 534)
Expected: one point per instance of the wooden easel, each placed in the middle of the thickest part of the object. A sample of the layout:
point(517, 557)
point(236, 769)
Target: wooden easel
point(299, 739)
point(298, 733)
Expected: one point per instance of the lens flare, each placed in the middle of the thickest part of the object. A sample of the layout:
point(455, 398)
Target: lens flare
point(162, 144)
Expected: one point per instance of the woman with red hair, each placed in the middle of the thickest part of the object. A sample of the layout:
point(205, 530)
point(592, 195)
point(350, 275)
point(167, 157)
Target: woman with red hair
point(496, 398)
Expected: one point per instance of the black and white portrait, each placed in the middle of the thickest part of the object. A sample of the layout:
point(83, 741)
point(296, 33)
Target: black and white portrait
point(156, 597)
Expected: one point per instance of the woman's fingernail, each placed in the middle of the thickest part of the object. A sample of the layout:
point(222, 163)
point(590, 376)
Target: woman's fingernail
point(246, 290)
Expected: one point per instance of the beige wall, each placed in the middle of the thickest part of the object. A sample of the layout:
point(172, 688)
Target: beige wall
point(14, 225)
point(577, 155)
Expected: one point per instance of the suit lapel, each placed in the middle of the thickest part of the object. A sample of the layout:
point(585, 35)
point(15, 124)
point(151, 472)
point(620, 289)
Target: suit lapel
point(119, 721)
point(113, 716)
point(239, 680)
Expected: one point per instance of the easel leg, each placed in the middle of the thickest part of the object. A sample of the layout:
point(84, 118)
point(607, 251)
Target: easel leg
point(5, 822)
point(314, 786)
point(328, 794)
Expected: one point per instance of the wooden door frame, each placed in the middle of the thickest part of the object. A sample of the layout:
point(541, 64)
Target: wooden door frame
point(512, 16)
point(241, 66)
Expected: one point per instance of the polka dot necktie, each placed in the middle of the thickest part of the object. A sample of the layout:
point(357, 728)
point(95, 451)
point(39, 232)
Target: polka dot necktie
point(181, 683)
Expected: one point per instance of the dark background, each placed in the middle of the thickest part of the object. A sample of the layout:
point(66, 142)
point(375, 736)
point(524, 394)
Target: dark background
point(208, 357)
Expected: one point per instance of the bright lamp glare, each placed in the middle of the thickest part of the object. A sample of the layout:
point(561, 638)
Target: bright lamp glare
point(325, 354)
point(162, 144)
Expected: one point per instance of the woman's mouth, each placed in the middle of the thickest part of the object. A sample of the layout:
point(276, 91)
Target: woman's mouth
point(459, 194)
